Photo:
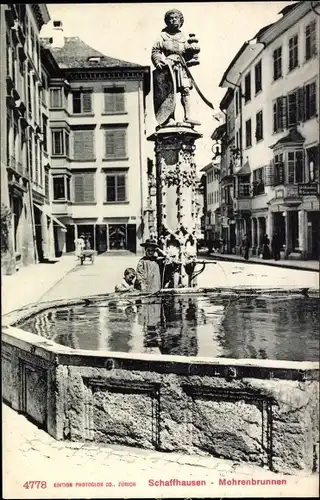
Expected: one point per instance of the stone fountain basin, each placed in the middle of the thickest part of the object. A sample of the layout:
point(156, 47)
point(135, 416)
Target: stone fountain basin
point(256, 410)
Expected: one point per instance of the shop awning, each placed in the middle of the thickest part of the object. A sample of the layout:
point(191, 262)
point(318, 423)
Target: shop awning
point(44, 209)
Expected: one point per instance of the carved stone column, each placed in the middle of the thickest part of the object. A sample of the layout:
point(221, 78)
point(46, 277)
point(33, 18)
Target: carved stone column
point(177, 207)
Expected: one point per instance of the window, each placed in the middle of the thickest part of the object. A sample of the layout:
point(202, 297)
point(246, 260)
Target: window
point(278, 170)
point(45, 132)
point(59, 192)
point(247, 87)
point(82, 102)
point(116, 187)
point(238, 140)
point(30, 157)
point(313, 164)
point(8, 55)
point(243, 188)
point(293, 52)
point(310, 92)
point(259, 126)
point(60, 143)
point(83, 145)
point(248, 134)
point(44, 91)
point(114, 100)
point(277, 63)
point(67, 143)
point(258, 77)
point(311, 47)
point(258, 181)
point(115, 143)
point(237, 102)
point(280, 114)
point(57, 142)
point(295, 167)
point(29, 95)
point(56, 98)
point(292, 109)
point(36, 156)
point(83, 187)
point(46, 184)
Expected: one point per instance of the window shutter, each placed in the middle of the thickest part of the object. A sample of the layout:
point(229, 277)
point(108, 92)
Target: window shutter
point(83, 147)
point(284, 119)
point(301, 104)
point(291, 166)
point(84, 187)
point(269, 174)
point(121, 187)
point(120, 140)
point(89, 194)
point(116, 143)
point(86, 102)
point(78, 188)
point(119, 100)
point(110, 143)
point(108, 102)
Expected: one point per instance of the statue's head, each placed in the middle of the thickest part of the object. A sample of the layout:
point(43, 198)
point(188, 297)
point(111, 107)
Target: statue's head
point(174, 19)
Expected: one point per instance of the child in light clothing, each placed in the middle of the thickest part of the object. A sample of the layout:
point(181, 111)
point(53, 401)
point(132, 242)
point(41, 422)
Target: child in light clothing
point(128, 282)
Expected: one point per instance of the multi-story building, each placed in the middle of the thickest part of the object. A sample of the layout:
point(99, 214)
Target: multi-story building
point(211, 174)
point(22, 171)
point(99, 165)
point(276, 81)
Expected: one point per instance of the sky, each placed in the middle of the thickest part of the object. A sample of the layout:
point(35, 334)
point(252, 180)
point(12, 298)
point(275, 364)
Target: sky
point(128, 31)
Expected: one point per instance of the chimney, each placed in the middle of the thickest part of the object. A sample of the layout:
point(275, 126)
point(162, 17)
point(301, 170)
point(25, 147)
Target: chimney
point(57, 35)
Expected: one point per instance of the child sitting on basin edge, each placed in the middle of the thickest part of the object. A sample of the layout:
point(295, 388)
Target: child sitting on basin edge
point(128, 282)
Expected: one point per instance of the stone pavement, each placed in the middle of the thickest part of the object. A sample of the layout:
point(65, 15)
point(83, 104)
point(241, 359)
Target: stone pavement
point(106, 272)
point(30, 283)
point(30, 454)
point(302, 265)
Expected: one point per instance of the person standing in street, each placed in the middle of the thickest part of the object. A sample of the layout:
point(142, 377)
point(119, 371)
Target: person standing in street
point(276, 246)
point(265, 248)
point(80, 244)
point(246, 246)
point(148, 269)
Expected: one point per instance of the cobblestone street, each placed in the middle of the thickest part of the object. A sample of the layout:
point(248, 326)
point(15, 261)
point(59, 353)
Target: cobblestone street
point(32, 455)
point(108, 271)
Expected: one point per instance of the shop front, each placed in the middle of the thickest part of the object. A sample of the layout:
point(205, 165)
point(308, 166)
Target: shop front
point(109, 237)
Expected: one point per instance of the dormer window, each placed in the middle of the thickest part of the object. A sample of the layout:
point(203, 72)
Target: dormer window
point(94, 59)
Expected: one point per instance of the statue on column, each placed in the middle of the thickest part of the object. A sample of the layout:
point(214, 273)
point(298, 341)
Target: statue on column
point(172, 54)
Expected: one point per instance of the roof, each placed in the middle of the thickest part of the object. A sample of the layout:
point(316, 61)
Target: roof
point(227, 99)
point(288, 8)
point(234, 60)
point(245, 170)
point(75, 54)
point(210, 166)
point(218, 132)
point(293, 137)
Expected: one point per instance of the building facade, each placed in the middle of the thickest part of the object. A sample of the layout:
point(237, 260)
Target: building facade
point(211, 174)
point(22, 168)
point(72, 144)
point(275, 78)
point(99, 165)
